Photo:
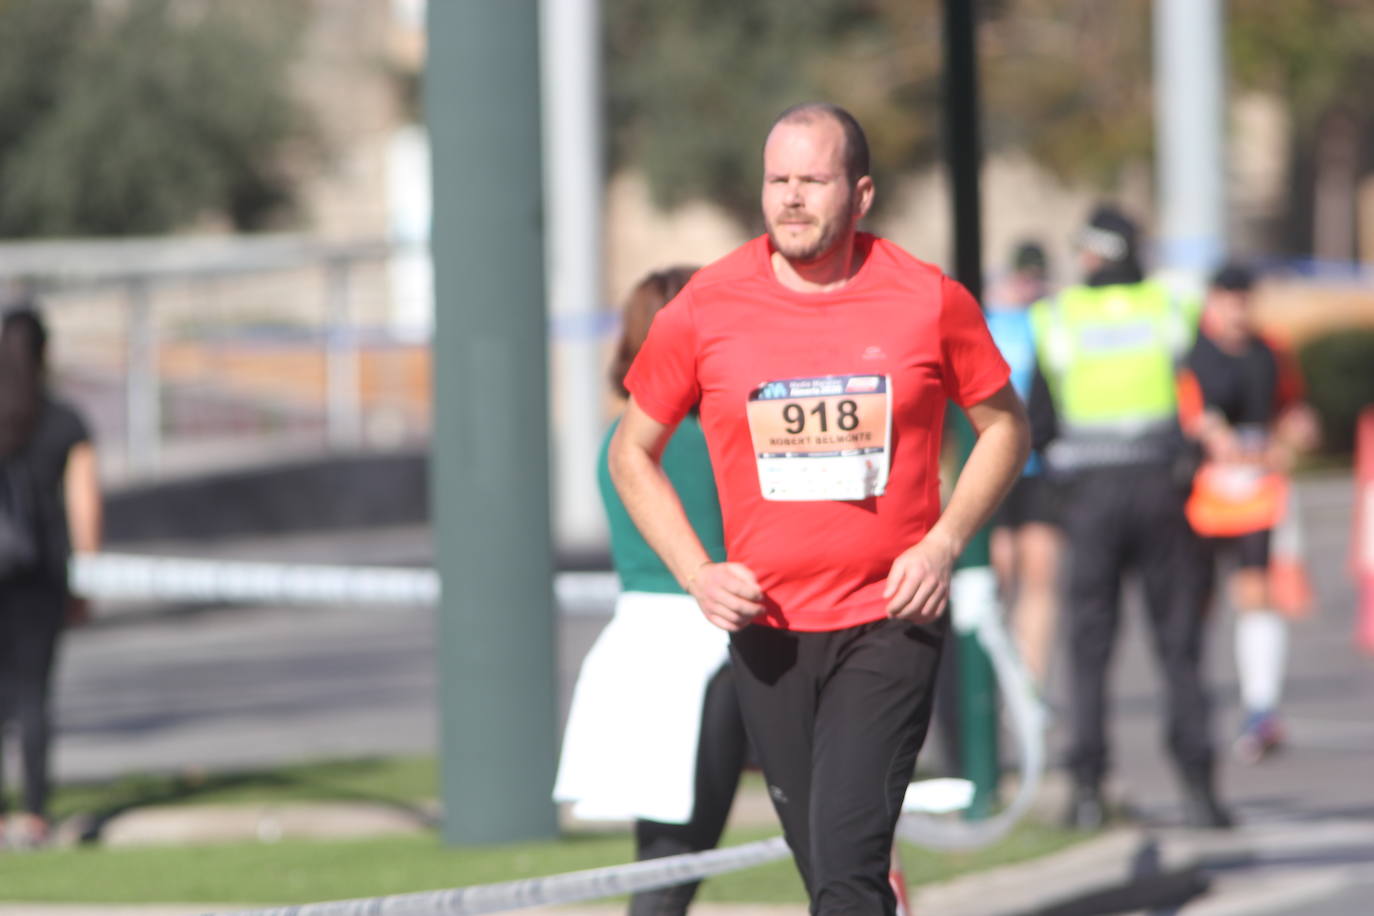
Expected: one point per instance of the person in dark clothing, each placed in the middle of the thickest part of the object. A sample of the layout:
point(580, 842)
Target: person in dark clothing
point(45, 450)
point(1104, 408)
point(1248, 413)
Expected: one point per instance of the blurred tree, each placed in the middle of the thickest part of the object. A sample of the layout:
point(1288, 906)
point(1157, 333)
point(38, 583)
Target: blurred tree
point(145, 115)
point(1339, 382)
point(693, 83)
point(1069, 82)
point(1318, 56)
point(690, 83)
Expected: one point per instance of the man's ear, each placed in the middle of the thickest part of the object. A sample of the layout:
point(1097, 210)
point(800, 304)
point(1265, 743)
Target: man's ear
point(863, 197)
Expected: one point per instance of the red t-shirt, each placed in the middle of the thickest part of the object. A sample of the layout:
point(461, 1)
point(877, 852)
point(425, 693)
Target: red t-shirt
point(822, 564)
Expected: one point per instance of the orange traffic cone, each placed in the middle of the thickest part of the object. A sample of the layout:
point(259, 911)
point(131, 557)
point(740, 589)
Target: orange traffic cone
point(897, 879)
point(1362, 544)
point(1365, 633)
point(1290, 586)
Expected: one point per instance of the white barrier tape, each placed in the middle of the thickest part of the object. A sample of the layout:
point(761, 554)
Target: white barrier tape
point(973, 595)
point(572, 887)
point(131, 577)
point(586, 592)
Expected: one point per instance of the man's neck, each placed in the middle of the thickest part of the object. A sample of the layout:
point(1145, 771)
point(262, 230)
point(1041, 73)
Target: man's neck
point(822, 275)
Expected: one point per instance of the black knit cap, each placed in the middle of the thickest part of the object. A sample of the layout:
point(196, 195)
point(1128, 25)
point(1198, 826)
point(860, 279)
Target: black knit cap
point(1111, 235)
point(1234, 278)
point(1029, 256)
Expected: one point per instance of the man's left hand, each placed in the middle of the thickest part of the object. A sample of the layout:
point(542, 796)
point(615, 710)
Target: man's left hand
point(918, 583)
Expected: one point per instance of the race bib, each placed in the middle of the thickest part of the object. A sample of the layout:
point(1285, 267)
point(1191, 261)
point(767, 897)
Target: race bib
point(822, 438)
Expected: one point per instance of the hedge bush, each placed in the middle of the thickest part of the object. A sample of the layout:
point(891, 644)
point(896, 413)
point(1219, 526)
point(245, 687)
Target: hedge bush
point(1339, 370)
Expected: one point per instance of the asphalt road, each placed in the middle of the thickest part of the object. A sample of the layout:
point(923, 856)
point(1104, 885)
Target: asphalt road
point(232, 687)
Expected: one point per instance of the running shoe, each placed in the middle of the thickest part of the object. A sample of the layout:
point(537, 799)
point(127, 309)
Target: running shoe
point(1260, 737)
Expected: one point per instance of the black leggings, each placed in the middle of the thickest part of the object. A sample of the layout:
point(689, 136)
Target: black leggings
point(30, 622)
point(837, 719)
point(721, 752)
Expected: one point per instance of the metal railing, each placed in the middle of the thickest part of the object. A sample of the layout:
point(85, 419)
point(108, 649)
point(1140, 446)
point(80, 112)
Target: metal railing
point(190, 352)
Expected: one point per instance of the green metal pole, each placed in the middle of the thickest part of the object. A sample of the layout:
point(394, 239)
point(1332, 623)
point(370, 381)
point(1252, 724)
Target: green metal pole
point(977, 685)
point(977, 681)
point(489, 466)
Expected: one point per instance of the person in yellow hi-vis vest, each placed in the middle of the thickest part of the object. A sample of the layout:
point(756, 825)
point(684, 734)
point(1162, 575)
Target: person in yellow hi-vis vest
point(1104, 410)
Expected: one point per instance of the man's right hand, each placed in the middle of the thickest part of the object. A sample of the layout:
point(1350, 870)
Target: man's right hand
point(728, 594)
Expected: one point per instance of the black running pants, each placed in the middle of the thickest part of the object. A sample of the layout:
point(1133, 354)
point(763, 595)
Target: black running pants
point(836, 719)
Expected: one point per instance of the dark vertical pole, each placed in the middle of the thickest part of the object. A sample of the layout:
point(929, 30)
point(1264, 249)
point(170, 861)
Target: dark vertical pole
point(963, 154)
point(963, 149)
point(489, 466)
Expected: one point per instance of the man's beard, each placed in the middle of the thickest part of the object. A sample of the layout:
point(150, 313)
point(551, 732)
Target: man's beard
point(807, 252)
point(801, 250)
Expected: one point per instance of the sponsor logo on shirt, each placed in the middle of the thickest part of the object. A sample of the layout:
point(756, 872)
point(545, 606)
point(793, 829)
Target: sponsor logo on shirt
point(861, 383)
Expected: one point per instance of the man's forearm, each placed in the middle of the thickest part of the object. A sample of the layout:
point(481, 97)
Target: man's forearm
point(653, 505)
point(989, 473)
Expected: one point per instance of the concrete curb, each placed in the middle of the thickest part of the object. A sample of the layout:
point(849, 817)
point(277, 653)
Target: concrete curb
point(267, 823)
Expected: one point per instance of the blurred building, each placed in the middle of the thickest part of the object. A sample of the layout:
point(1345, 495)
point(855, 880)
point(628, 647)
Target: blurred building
point(359, 74)
point(208, 349)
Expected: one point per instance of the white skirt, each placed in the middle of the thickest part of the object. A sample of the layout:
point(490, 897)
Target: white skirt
point(630, 748)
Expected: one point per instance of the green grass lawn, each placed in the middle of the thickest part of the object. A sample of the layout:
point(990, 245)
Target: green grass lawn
point(298, 871)
point(301, 871)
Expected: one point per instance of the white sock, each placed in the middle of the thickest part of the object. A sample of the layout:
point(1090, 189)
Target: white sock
point(1261, 650)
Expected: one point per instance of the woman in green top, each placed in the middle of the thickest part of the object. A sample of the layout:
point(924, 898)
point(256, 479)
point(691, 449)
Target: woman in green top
point(654, 733)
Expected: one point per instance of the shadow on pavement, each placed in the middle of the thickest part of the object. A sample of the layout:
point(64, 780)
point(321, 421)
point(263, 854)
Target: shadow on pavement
point(1150, 887)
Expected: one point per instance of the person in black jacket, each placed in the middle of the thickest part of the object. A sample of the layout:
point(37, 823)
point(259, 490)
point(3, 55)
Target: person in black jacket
point(49, 461)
